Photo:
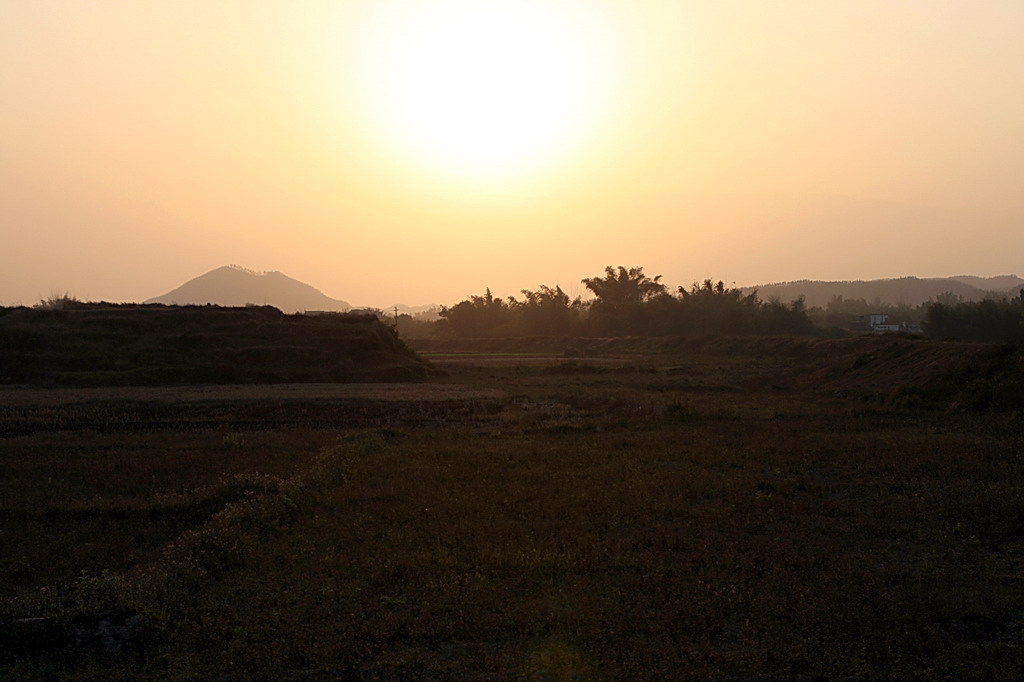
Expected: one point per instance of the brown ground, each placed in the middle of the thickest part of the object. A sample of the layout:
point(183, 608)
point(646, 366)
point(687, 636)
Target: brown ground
point(665, 509)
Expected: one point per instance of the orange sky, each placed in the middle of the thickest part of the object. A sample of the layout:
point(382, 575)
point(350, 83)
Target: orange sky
point(144, 143)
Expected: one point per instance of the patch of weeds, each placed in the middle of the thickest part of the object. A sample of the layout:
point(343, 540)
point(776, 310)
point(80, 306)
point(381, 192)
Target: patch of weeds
point(572, 367)
point(492, 406)
point(563, 429)
point(233, 440)
point(864, 360)
point(679, 411)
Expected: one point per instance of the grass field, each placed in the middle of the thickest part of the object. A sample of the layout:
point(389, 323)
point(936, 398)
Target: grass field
point(715, 510)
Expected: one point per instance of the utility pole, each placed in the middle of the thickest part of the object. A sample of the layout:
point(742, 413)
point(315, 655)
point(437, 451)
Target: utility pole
point(396, 318)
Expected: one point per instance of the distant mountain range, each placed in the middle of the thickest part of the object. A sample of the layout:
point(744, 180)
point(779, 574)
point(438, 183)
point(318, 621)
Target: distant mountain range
point(232, 285)
point(912, 291)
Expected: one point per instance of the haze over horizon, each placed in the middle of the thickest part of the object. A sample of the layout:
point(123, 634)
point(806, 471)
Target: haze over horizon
point(395, 151)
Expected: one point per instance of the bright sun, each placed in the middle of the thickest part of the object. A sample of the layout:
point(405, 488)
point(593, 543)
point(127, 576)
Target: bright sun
point(485, 90)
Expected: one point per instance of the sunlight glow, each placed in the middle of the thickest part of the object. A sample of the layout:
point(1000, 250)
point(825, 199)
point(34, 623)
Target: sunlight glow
point(484, 90)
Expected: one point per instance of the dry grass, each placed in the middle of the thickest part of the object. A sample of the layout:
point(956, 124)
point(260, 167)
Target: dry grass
point(692, 516)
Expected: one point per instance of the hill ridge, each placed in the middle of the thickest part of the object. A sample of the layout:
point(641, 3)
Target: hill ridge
point(234, 285)
point(909, 290)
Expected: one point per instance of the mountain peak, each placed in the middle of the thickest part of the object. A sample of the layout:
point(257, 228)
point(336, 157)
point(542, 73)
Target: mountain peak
point(234, 285)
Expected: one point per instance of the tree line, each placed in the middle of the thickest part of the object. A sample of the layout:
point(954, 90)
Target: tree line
point(992, 320)
point(997, 319)
point(627, 302)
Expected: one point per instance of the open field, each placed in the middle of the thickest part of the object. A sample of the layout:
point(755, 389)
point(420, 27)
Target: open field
point(617, 510)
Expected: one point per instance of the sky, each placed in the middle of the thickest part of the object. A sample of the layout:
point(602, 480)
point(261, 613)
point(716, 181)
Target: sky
point(393, 151)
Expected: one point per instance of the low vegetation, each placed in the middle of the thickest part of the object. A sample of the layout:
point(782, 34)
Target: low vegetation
point(607, 509)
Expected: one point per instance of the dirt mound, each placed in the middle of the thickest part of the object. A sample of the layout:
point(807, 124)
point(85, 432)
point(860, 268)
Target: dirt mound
point(99, 344)
point(930, 374)
point(892, 370)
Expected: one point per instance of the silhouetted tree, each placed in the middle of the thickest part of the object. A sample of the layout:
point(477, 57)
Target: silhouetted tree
point(548, 311)
point(478, 316)
point(621, 295)
point(845, 312)
point(714, 308)
point(776, 318)
point(988, 320)
point(627, 302)
point(413, 327)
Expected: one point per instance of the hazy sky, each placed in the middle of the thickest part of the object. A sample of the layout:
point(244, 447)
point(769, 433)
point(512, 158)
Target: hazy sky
point(393, 151)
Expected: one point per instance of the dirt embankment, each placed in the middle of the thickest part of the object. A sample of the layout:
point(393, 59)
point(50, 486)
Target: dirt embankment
point(945, 375)
point(99, 344)
point(910, 372)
